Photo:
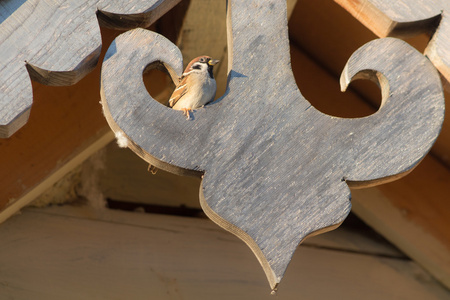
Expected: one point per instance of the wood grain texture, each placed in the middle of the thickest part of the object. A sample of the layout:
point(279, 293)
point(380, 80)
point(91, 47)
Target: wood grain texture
point(404, 18)
point(275, 169)
point(58, 42)
point(119, 14)
point(102, 254)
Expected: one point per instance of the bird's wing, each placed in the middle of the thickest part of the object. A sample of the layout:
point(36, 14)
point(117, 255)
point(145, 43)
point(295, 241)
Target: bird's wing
point(179, 91)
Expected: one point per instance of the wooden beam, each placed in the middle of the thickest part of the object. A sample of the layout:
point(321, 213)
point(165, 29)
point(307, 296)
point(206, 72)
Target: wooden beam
point(411, 230)
point(89, 148)
point(125, 177)
point(164, 257)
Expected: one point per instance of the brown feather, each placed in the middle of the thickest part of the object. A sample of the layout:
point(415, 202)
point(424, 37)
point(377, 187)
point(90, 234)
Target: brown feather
point(180, 90)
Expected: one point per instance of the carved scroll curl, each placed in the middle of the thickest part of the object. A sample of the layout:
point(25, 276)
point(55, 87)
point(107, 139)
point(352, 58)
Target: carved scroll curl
point(406, 18)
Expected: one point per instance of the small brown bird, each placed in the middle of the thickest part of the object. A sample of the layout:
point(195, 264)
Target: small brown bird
point(197, 86)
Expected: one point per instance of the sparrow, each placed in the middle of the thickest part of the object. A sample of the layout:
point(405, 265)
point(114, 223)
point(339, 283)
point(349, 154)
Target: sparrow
point(196, 87)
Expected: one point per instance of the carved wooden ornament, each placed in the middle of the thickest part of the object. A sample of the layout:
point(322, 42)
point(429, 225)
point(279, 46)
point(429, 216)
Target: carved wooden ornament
point(58, 42)
point(402, 18)
point(275, 170)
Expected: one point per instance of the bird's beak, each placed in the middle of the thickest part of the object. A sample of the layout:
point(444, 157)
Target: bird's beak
point(213, 62)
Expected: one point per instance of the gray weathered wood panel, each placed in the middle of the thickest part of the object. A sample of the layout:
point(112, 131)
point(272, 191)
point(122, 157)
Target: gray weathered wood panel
point(275, 170)
point(402, 18)
point(58, 42)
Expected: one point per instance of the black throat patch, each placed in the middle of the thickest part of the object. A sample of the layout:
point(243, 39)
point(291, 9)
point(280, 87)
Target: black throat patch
point(210, 71)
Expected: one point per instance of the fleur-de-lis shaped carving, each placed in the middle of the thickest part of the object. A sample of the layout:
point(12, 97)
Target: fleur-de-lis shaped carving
point(409, 17)
point(275, 169)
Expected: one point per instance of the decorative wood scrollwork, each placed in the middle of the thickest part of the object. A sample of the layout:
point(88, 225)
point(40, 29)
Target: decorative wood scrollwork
point(275, 170)
point(58, 42)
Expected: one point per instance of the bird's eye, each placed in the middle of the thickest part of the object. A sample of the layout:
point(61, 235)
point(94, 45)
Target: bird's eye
point(202, 60)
